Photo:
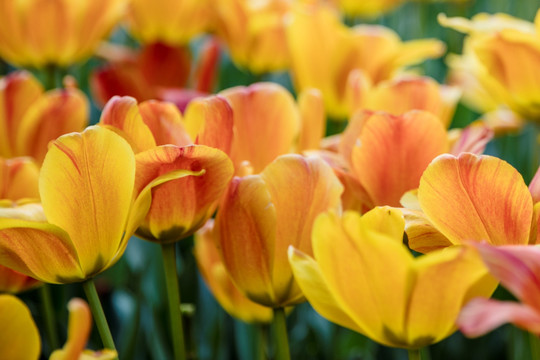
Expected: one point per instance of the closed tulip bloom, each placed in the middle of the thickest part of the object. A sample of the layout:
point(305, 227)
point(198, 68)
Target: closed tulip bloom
point(19, 336)
point(59, 32)
point(395, 298)
point(91, 205)
point(30, 117)
point(219, 281)
point(261, 215)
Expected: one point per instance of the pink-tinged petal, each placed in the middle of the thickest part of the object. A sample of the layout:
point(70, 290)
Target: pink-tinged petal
point(266, 123)
point(165, 66)
point(19, 336)
point(479, 198)
point(209, 121)
point(179, 97)
point(534, 187)
point(165, 123)
point(481, 316)
point(86, 187)
point(310, 280)
point(56, 113)
point(181, 206)
point(18, 91)
point(313, 118)
point(300, 188)
point(422, 236)
point(392, 152)
point(517, 268)
point(122, 115)
point(472, 139)
point(246, 224)
point(18, 179)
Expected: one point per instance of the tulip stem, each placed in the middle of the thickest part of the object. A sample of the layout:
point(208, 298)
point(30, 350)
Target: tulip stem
point(168, 251)
point(48, 314)
point(534, 344)
point(414, 354)
point(98, 314)
point(280, 335)
point(50, 76)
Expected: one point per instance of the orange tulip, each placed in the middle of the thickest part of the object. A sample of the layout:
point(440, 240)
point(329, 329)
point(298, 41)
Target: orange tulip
point(19, 336)
point(39, 33)
point(339, 61)
point(30, 118)
point(182, 206)
point(220, 283)
point(261, 215)
point(268, 123)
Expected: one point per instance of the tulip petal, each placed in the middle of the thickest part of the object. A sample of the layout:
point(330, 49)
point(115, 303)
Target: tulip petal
point(308, 276)
point(313, 117)
point(14, 282)
point(481, 315)
point(86, 184)
point(18, 179)
point(19, 337)
point(472, 197)
point(534, 187)
point(165, 123)
point(422, 236)
point(392, 153)
point(473, 139)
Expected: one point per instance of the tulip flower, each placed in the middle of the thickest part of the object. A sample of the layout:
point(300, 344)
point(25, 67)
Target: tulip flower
point(516, 267)
point(472, 198)
point(489, 62)
point(263, 214)
point(19, 337)
point(220, 283)
point(339, 61)
point(268, 123)
point(30, 118)
point(39, 33)
point(367, 8)
point(254, 33)
point(168, 21)
point(395, 298)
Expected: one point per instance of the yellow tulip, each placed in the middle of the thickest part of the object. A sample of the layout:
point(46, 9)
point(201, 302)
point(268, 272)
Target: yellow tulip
point(261, 215)
point(395, 298)
point(60, 32)
point(19, 337)
point(367, 7)
point(91, 205)
point(30, 118)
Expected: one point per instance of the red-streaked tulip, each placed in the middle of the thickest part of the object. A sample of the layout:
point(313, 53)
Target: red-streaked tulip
point(517, 268)
point(87, 188)
point(39, 33)
point(395, 299)
point(261, 215)
point(30, 118)
point(19, 337)
point(220, 283)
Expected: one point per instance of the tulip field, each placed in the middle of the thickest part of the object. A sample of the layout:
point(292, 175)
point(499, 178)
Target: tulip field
point(269, 179)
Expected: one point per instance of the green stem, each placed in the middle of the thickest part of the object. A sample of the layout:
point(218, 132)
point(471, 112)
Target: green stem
point(98, 314)
point(50, 77)
point(260, 340)
point(168, 251)
point(534, 343)
point(48, 314)
point(280, 335)
point(414, 354)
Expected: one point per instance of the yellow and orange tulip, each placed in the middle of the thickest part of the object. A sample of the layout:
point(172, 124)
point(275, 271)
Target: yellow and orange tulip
point(261, 215)
point(395, 299)
point(19, 336)
point(220, 283)
point(59, 32)
point(165, 141)
point(30, 118)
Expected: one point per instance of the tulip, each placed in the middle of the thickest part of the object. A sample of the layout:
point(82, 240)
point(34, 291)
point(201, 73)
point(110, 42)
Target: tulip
point(340, 61)
point(19, 337)
point(18, 179)
point(395, 298)
point(59, 32)
point(367, 8)
point(30, 118)
point(263, 214)
point(220, 283)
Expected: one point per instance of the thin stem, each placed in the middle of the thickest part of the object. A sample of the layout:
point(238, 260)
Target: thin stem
point(260, 339)
point(98, 314)
point(414, 354)
point(48, 314)
point(168, 251)
point(50, 76)
point(280, 335)
point(534, 343)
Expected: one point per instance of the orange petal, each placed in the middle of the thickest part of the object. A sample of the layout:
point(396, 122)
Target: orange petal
point(14, 282)
point(165, 123)
point(18, 179)
point(534, 187)
point(477, 198)
point(313, 119)
point(169, 219)
point(86, 184)
point(392, 152)
point(19, 337)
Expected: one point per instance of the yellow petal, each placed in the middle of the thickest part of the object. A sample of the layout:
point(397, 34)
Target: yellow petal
point(86, 184)
point(19, 338)
point(422, 236)
point(478, 198)
point(18, 179)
